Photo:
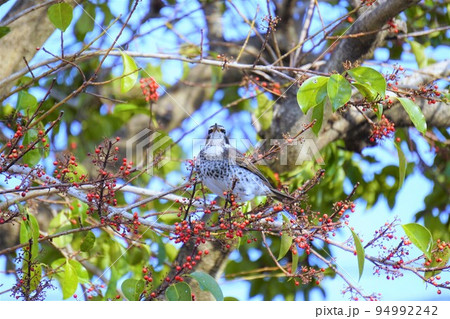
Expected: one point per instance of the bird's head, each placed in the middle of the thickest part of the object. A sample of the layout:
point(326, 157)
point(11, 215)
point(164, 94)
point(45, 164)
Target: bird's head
point(217, 135)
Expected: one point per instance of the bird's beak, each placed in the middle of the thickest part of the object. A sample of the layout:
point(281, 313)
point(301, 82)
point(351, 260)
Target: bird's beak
point(215, 127)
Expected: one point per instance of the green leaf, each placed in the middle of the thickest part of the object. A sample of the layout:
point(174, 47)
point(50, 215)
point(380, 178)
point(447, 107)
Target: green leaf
point(34, 226)
point(312, 92)
point(69, 281)
point(86, 22)
point(59, 220)
point(401, 165)
point(29, 229)
point(130, 68)
point(161, 252)
point(64, 240)
point(216, 76)
point(379, 111)
point(88, 241)
point(80, 170)
point(186, 70)
point(78, 210)
point(371, 78)
point(171, 251)
point(264, 111)
point(60, 15)
point(125, 107)
point(419, 53)
point(135, 255)
point(286, 240)
point(25, 80)
point(339, 91)
point(190, 50)
point(155, 71)
point(111, 291)
point(179, 292)
point(230, 299)
point(132, 289)
point(420, 236)
point(415, 114)
point(33, 275)
point(24, 233)
point(4, 31)
point(366, 91)
point(359, 252)
point(33, 156)
point(82, 273)
point(108, 16)
point(208, 283)
point(317, 114)
point(444, 256)
point(60, 223)
point(67, 277)
point(26, 102)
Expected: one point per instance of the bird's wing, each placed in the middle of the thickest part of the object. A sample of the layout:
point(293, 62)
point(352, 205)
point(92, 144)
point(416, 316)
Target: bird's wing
point(244, 162)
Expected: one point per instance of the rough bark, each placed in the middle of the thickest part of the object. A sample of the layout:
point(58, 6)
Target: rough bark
point(27, 33)
point(372, 19)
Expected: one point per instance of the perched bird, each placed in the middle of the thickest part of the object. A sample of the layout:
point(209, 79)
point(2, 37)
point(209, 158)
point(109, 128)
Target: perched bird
point(223, 169)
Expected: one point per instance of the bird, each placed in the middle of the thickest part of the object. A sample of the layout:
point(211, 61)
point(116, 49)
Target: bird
point(224, 170)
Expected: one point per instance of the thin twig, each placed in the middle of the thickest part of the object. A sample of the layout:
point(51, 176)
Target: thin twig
point(26, 11)
point(304, 32)
point(48, 237)
point(252, 26)
point(273, 257)
point(28, 67)
point(340, 274)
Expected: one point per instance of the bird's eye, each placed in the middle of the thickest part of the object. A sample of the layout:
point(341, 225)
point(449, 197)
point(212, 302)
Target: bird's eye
point(222, 130)
point(210, 131)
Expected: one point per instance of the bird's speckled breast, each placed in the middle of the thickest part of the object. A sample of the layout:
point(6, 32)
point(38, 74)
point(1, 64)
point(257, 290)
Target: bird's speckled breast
point(222, 176)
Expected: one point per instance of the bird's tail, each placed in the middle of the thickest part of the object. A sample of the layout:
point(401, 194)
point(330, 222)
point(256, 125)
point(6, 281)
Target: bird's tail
point(281, 196)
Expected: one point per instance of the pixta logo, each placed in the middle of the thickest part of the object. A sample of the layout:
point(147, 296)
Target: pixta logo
point(149, 150)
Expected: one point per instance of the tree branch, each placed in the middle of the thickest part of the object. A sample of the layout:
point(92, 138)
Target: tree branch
point(374, 18)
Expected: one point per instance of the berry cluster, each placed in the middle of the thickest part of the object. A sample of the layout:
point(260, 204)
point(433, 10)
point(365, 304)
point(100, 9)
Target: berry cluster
point(95, 292)
point(66, 170)
point(392, 26)
point(104, 194)
point(384, 128)
point(438, 260)
point(307, 275)
point(189, 263)
point(29, 275)
point(184, 231)
point(396, 254)
point(14, 150)
point(149, 89)
point(272, 87)
point(126, 167)
point(429, 92)
point(7, 216)
point(393, 78)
